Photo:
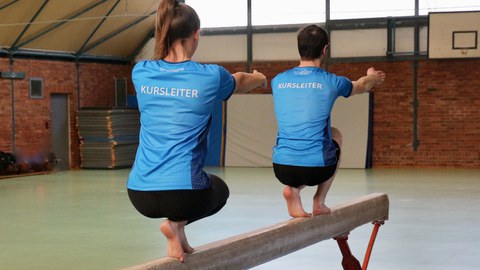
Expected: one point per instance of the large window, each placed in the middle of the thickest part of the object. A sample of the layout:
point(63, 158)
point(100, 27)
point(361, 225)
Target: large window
point(231, 13)
point(227, 13)
point(271, 12)
point(350, 9)
point(427, 6)
point(220, 13)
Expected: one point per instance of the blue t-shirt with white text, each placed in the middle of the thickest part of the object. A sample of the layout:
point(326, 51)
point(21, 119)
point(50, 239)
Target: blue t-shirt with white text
point(176, 101)
point(303, 99)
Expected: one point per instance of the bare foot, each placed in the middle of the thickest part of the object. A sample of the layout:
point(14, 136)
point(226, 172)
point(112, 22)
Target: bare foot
point(174, 244)
point(319, 208)
point(294, 202)
point(183, 239)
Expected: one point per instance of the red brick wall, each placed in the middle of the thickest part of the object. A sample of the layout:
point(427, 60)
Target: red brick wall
point(32, 116)
point(5, 110)
point(448, 111)
point(97, 86)
point(448, 93)
point(393, 111)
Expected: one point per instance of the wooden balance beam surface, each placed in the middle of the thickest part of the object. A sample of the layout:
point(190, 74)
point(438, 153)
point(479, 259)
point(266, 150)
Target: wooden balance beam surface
point(256, 247)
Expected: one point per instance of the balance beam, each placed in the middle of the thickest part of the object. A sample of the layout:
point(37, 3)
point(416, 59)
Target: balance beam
point(257, 247)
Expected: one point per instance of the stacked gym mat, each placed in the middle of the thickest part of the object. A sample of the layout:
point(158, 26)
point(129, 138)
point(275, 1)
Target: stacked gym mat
point(108, 137)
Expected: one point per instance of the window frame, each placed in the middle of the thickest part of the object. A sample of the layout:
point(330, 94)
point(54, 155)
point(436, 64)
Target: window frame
point(31, 89)
point(124, 92)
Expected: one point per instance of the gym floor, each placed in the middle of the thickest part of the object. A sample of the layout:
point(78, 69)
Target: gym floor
point(82, 219)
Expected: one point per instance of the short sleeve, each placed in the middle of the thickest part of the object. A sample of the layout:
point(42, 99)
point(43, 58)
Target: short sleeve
point(343, 85)
point(227, 84)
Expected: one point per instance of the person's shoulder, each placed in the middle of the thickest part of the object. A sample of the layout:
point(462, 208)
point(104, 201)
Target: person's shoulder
point(284, 73)
point(205, 67)
point(140, 68)
point(323, 72)
point(281, 77)
point(145, 64)
point(139, 64)
point(331, 75)
point(202, 65)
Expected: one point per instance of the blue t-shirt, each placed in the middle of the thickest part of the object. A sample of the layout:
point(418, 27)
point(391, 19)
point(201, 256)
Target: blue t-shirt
point(176, 102)
point(303, 99)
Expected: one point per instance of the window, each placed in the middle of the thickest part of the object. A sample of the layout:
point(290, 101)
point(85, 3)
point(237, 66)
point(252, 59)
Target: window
point(348, 9)
point(427, 6)
point(120, 92)
point(272, 12)
point(231, 13)
point(220, 13)
point(36, 88)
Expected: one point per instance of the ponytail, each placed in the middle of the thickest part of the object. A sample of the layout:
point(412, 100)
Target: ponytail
point(174, 21)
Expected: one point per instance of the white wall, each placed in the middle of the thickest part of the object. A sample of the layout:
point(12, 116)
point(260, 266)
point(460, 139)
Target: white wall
point(218, 49)
point(279, 47)
point(252, 130)
point(353, 43)
point(350, 116)
point(283, 46)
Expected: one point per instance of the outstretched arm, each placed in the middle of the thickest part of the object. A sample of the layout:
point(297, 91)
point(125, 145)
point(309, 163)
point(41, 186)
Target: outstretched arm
point(246, 82)
point(366, 83)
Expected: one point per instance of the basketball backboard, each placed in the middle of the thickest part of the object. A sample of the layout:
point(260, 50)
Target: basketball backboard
point(454, 35)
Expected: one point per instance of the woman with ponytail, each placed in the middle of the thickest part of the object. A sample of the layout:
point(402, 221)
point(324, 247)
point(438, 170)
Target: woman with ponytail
point(176, 97)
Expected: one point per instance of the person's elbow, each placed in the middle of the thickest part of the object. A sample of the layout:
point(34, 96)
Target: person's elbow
point(240, 88)
point(239, 82)
point(358, 87)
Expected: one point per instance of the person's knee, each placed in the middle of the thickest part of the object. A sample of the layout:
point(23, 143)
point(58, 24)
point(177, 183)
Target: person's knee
point(337, 136)
point(219, 185)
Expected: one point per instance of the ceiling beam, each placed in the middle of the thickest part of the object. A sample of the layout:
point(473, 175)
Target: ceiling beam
point(62, 56)
point(57, 25)
point(8, 4)
point(98, 26)
point(29, 24)
point(147, 38)
point(116, 32)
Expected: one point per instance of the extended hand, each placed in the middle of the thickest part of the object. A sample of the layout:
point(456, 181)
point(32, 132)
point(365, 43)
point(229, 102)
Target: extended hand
point(379, 75)
point(263, 79)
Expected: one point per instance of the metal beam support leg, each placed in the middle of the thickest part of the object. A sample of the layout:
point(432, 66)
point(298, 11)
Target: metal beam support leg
point(376, 226)
point(349, 262)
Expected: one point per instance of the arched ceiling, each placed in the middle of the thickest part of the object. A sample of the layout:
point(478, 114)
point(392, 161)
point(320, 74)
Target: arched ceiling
point(81, 29)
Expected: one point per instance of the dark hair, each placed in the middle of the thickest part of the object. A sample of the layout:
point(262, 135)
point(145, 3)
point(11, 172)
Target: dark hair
point(174, 21)
point(311, 41)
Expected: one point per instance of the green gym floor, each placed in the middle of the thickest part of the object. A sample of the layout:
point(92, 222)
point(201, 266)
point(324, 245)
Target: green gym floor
point(82, 219)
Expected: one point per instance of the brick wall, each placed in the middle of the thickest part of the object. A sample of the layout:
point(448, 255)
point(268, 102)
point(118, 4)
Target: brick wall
point(32, 116)
point(393, 111)
point(448, 112)
point(5, 110)
point(97, 83)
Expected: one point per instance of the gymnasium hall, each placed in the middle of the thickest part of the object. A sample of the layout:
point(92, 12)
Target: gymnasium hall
point(406, 194)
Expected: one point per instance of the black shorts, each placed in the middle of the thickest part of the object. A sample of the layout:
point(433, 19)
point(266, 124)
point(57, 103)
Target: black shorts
point(181, 205)
point(297, 176)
